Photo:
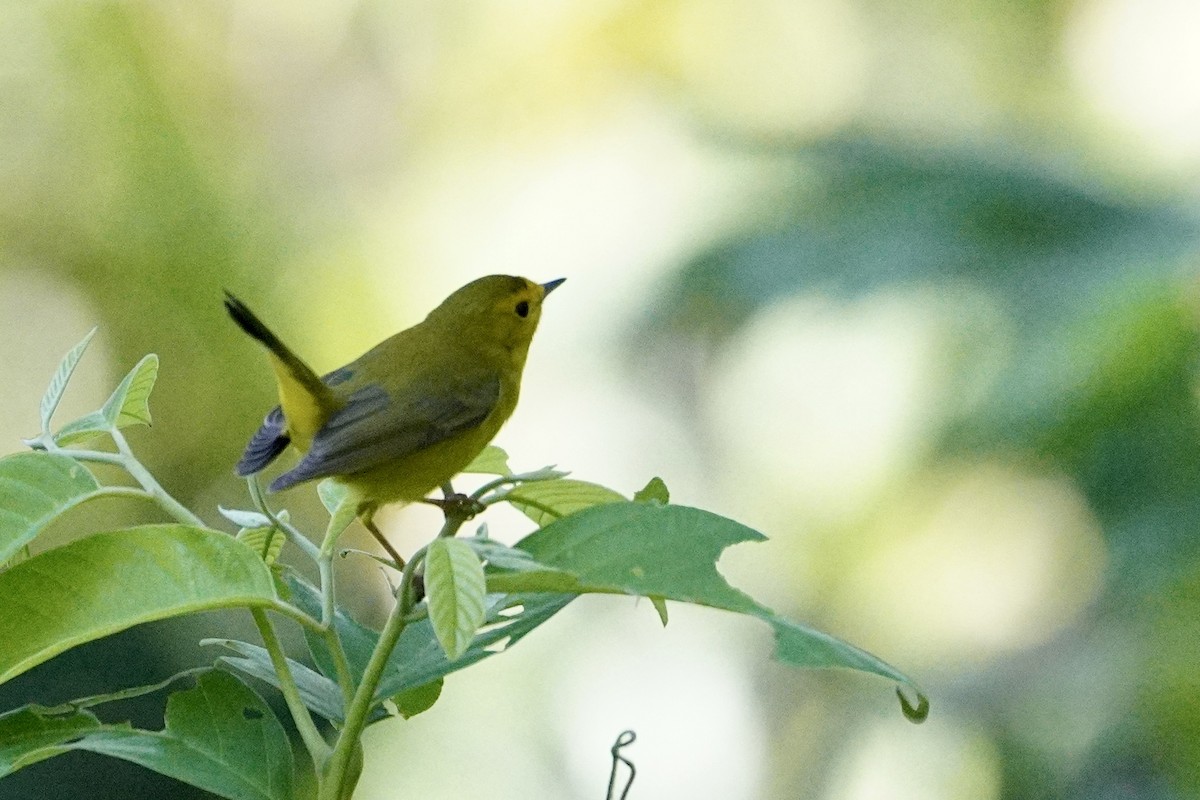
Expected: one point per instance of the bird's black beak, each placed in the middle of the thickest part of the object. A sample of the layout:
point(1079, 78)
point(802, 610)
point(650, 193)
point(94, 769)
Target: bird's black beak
point(547, 288)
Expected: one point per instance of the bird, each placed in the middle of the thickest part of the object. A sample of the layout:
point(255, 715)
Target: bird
point(411, 412)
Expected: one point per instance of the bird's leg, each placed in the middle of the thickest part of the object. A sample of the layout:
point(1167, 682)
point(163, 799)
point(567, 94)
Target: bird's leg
point(366, 515)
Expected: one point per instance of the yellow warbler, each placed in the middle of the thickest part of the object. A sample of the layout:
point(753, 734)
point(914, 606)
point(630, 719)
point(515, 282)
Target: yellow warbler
point(411, 412)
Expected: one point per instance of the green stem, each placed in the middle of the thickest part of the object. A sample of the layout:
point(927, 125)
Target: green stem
point(318, 748)
point(151, 489)
point(333, 640)
point(337, 776)
point(340, 663)
point(124, 491)
point(291, 612)
point(94, 456)
point(543, 474)
point(154, 488)
point(325, 568)
point(291, 531)
point(337, 781)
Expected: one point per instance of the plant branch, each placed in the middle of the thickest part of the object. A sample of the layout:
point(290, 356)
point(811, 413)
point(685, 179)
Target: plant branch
point(318, 748)
point(332, 640)
point(154, 488)
point(93, 456)
point(291, 612)
point(337, 777)
point(543, 474)
point(291, 531)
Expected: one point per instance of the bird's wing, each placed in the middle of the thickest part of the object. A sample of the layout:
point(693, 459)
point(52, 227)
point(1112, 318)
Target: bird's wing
point(374, 428)
point(268, 441)
point(272, 438)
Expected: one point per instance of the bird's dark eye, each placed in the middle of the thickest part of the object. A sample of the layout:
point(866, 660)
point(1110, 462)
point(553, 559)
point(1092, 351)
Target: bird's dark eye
point(523, 308)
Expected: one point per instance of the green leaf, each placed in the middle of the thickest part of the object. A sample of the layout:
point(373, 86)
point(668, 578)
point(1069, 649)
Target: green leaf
point(545, 501)
point(320, 694)
point(419, 658)
point(653, 492)
point(666, 552)
point(646, 549)
point(244, 519)
point(671, 552)
point(21, 555)
point(94, 700)
point(82, 429)
point(267, 542)
point(418, 700)
point(455, 585)
point(503, 560)
point(219, 736)
point(501, 555)
point(62, 376)
point(342, 507)
point(332, 494)
point(492, 461)
point(111, 581)
point(358, 641)
point(31, 734)
point(660, 606)
point(129, 403)
point(34, 489)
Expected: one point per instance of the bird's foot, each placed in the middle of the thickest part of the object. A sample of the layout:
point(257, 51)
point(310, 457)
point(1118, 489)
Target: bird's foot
point(458, 505)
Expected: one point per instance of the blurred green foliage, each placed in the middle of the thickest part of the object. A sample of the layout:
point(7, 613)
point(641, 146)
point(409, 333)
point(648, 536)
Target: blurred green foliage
point(153, 153)
point(1099, 383)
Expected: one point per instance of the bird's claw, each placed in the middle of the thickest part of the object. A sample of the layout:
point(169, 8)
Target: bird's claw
point(458, 505)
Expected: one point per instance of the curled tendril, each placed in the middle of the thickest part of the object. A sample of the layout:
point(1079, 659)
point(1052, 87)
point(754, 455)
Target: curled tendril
point(918, 713)
point(624, 740)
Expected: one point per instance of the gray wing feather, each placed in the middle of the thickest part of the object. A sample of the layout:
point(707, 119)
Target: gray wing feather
point(352, 442)
point(268, 441)
point(271, 438)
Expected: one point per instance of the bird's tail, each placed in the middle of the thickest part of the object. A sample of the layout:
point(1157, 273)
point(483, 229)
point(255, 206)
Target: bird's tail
point(305, 399)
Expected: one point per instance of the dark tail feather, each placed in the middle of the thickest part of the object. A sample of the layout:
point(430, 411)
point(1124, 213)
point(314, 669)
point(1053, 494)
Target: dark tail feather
point(252, 325)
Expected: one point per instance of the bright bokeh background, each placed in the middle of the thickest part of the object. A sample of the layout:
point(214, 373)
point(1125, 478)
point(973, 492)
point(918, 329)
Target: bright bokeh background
point(909, 287)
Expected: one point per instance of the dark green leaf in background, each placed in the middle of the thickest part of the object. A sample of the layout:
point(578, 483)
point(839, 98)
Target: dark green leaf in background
point(30, 734)
point(220, 736)
point(320, 694)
